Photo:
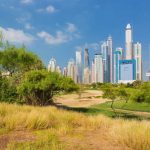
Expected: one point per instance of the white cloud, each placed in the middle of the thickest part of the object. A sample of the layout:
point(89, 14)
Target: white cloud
point(49, 9)
point(26, 1)
point(71, 27)
point(69, 33)
point(28, 26)
point(16, 36)
point(59, 38)
point(93, 46)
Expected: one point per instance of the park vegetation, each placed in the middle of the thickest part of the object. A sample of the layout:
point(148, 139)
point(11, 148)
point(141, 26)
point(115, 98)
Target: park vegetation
point(25, 80)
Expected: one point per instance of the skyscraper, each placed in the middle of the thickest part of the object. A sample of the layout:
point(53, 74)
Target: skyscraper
point(117, 57)
point(127, 69)
point(71, 69)
point(106, 61)
point(93, 72)
point(110, 60)
point(78, 66)
point(129, 42)
point(138, 58)
point(52, 65)
point(86, 77)
point(58, 69)
point(64, 72)
point(98, 60)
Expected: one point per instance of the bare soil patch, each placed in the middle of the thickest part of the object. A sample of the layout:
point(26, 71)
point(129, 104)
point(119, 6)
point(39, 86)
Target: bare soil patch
point(88, 98)
point(16, 136)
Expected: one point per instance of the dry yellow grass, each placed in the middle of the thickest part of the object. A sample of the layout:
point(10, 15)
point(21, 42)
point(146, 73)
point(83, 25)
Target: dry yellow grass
point(52, 121)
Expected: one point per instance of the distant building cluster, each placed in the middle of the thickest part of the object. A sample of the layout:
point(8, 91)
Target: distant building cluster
point(108, 65)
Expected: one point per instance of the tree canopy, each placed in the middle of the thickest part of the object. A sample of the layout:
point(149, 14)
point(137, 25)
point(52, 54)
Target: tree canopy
point(14, 60)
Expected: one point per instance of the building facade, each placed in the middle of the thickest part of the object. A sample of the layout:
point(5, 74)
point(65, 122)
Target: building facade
point(98, 61)
point(129, 42)
point(78, 66)
point(52, 65)
point(86, 73)
point(71, 69)
point(118, 55)
point(138, 59)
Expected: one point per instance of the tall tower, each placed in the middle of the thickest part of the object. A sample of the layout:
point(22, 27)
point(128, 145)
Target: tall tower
point(118, 55)
point(78, 66)
point(106, 61)
point(86, 67)
point(138, 58)
point(110, 58)
point(71, 69)
point(129, 42)
point(52, 65)
point(98, 60)
point(93, 72)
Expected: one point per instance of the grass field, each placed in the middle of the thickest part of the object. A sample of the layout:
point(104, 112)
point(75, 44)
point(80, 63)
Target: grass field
point(44, 128)
point(130, 110)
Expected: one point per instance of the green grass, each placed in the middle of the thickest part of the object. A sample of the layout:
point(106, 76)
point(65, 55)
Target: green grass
point(133, 106)
point(123, 110)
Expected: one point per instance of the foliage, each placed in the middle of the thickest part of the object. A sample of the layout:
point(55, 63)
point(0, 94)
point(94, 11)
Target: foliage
point(39, 86)
point(8, 91)
point(142, 94)
point(16, 60)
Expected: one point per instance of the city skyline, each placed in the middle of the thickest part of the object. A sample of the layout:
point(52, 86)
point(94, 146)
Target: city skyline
point(108, 65)
point(51, 27)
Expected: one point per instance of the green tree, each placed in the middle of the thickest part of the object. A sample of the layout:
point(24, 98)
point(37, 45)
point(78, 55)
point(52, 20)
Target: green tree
point(39, 86)
point(115, 94)
point(18, 60)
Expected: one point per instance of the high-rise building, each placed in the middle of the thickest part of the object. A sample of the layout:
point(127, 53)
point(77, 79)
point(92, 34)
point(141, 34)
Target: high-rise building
point(129, 42)
point(78, 66)
point(127, 69)
point(64, 72)
point(98, 61)
point(71, 69)
point(117, 57)
point(110, 58)
point(138, 59)
point(106, 61)
point(52, 65)
point(86, 74)
point(93, 72)
point(58, 69)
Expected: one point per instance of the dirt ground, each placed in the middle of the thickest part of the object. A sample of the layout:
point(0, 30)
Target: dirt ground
point(87, 98)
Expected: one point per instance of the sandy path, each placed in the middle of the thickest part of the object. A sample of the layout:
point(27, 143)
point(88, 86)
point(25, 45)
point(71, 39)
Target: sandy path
point(88, 98)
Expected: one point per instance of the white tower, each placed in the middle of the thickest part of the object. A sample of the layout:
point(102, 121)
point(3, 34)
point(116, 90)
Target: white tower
point(129, 42)
point(110, 53)
point(71, 69)
point(99, 68)
point(52, 65)
point(138, 58)
point(78, 66)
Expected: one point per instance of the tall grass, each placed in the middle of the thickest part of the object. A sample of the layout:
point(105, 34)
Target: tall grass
point(131, 134)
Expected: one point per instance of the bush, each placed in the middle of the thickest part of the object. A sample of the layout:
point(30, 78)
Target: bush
point(39, 86)
point(143, 94)
point(8, 92)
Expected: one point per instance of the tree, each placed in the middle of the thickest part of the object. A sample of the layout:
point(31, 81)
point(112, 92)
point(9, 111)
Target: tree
point(18, 60)
point(110, 94)
point(39, 86)
point(115, 94)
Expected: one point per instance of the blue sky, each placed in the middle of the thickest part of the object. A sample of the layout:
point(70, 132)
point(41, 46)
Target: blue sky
point(55, 28)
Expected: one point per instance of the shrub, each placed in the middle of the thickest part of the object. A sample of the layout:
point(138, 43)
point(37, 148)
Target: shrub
point(39, 86)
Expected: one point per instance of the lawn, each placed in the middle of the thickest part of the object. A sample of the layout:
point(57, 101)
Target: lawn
point(133, 106)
